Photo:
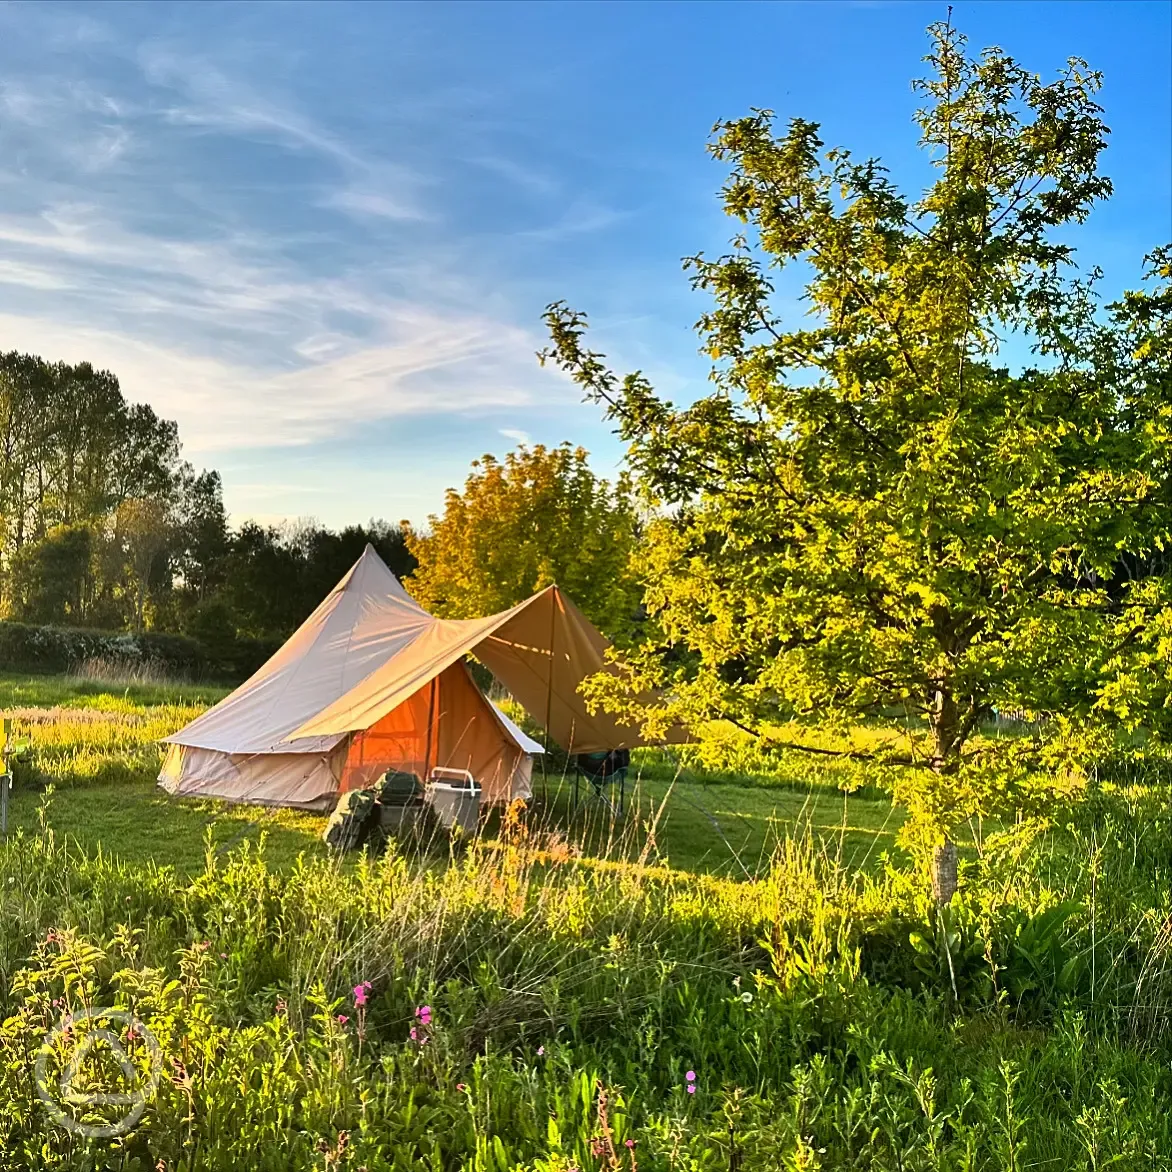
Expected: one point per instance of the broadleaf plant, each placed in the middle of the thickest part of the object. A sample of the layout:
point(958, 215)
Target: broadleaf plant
point(914, 506)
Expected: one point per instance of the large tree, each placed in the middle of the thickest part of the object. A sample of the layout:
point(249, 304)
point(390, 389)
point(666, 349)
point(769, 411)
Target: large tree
point(538, 517)
point(875, 513)
point(142, 531)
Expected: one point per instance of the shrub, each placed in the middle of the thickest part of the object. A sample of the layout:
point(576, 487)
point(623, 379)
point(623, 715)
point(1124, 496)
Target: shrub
point(24, 647)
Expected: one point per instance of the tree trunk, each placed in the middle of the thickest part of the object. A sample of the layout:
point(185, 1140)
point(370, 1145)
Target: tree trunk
point(946, 727)
point(944, 881)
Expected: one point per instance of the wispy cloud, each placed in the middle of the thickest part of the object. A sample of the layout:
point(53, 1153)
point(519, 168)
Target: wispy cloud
point(269, 276)
point(580, 217)
point(372, 204)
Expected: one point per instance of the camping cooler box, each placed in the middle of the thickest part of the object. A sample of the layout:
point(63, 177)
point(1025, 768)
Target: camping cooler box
point(455, 797)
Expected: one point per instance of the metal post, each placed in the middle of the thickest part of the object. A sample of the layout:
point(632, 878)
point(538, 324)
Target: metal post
point(6, 776)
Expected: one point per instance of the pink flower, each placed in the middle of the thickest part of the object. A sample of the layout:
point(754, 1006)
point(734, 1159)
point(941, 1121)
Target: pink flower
point(540, 1051)
point(360, 992)
point(690, 1076)
point(629, 1142)
point(223, 956)
point(424, 1014)
point(691, 1088)
point(461, 1087)
point(414, 1034)
point(342, 1019)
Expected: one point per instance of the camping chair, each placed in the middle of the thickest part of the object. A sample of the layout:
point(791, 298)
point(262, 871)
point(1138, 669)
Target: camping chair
point(600, 770)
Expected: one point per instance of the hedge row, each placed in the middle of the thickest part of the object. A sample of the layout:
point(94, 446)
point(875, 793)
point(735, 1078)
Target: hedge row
point(24, 647)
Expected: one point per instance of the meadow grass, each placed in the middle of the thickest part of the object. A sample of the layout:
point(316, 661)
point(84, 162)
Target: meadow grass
point(758, 929)
point(508, 1014)
point(98, 747)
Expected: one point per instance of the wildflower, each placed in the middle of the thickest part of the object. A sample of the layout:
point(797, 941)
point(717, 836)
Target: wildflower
point(461, 1087)
point(630, 1143)
point(691, 1088)
point(223, 956)
point(540, 1051)
point(424, 1014)
point(342, 1019)
point(690, 1076)
point(360, 993)
point(747, 997)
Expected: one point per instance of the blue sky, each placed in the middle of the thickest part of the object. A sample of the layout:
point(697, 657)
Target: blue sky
point(321, 237)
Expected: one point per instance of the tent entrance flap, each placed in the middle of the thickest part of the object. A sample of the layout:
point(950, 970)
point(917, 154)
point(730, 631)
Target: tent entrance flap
point(448, 723)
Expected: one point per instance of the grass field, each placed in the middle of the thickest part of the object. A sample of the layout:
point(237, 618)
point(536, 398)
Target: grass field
point(742, 973)
point(98, 748)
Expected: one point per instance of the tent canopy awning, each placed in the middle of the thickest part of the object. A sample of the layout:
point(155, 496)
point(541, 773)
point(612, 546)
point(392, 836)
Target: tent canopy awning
point(369, 647)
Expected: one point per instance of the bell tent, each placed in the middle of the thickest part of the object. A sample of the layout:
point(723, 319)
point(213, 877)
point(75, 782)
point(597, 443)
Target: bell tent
point(371, 682)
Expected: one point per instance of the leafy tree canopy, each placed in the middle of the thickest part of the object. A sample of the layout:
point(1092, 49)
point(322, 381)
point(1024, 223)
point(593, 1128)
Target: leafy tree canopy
point(871, 515)
point(538, 517)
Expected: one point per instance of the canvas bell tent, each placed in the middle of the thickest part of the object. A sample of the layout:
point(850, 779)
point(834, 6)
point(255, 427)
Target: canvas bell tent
point(371, 682)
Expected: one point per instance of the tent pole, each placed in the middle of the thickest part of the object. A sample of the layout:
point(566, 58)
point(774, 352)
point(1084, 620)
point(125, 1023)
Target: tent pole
point(430, 723)
point(553, 612)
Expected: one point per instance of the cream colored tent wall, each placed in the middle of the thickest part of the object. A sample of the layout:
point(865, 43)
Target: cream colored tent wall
point(308, 781)
point(466, 733)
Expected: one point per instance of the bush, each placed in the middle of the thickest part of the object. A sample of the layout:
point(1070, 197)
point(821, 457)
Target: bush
point(24, 647)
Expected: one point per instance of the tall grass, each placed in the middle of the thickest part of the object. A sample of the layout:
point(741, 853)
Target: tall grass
point(831, 1019)
point(125, 673)
point(568, 1002)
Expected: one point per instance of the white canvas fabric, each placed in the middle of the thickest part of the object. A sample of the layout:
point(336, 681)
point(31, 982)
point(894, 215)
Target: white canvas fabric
point(362, 624)
point(371, 681)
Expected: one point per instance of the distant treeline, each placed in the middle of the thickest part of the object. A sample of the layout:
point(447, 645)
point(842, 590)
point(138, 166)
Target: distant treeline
point(103, 525)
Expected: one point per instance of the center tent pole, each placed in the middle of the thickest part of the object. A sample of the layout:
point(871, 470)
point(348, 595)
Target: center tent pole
point(553, 611)
point(430, 723)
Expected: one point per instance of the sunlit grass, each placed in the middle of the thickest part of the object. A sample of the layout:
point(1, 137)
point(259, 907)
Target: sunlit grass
point(99, 749)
